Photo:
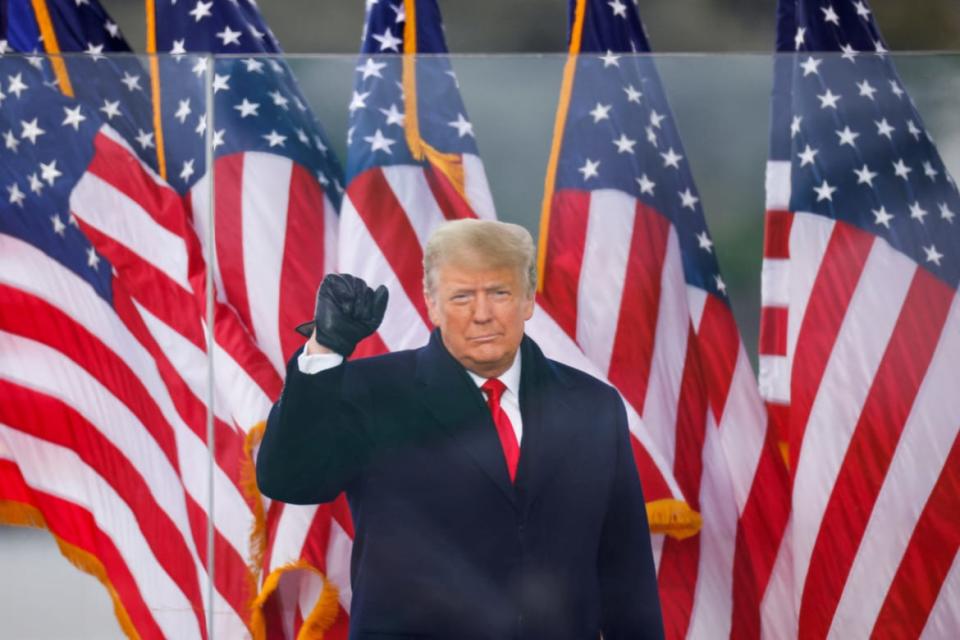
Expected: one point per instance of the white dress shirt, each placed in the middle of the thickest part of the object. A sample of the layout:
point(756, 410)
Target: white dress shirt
point(311, 363)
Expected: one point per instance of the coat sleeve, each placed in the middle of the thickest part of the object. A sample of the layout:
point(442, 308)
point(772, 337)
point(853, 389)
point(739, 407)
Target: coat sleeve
point(628, 580)
point(315, 442)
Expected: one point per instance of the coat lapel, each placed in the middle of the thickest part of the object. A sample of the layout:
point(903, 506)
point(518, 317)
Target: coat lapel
point(548, 421)
point(457, 404)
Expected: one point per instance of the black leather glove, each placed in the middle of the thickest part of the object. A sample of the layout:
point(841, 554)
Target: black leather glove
point(347, 312)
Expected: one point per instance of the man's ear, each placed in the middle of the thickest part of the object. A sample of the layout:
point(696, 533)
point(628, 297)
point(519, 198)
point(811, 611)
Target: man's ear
point(528, 306)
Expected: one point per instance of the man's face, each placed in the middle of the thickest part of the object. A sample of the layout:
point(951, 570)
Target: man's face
point(480, 313)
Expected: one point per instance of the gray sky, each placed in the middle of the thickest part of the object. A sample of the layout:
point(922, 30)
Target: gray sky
point(499, 26)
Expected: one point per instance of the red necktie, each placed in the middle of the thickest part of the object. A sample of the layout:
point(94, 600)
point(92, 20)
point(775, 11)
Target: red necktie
point(508, 439)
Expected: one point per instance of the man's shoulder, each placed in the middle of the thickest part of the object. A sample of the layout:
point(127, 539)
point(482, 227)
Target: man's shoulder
point(386, 363)
point(581, 381)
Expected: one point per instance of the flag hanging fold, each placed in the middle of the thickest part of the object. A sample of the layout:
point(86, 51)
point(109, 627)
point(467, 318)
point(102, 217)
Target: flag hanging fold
point(860, 336)
point(628, 270)
point(276, 188)
point(103, 438)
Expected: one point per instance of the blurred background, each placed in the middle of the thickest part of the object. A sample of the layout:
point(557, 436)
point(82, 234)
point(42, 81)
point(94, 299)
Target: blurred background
point(717, 71)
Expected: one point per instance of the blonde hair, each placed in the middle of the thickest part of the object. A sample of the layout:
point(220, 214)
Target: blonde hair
point(483, 243)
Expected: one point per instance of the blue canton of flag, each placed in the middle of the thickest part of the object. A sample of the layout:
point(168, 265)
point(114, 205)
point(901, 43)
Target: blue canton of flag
point(381, 131)
point(259, 106)
point(114, 86)
point(43, 158)
point(620, 134)
point(857, 147)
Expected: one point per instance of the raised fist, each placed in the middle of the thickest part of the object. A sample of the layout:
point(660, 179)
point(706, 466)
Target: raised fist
point(347, 311)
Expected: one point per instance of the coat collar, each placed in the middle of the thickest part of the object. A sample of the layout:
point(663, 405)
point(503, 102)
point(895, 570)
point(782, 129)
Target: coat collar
point(454, 399)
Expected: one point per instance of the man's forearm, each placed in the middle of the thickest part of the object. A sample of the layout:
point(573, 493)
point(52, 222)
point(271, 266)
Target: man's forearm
point(314, 443)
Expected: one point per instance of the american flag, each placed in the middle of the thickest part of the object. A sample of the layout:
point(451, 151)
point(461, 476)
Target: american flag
point(140, 225)
point(629, 271)
point(276, 191)
point(103, 438)
point(107, 83)
point(277, 183)
point(860, 337)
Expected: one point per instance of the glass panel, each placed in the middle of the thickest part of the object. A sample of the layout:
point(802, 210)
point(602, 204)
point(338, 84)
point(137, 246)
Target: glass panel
point(355, 190)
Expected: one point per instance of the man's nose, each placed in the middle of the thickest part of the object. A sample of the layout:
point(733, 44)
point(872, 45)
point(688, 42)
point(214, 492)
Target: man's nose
point(481, 309)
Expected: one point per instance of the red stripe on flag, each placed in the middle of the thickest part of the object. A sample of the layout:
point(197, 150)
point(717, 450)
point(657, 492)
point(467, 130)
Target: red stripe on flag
point(314, 549)
point(33, 318)
point(49, 419)
point(679, 563)
point(389, 226)
point(231, 574)
point(652, 481)
point(234, 338)
point(37, 320)
point(719, 344)
point(677, 583)
point(12, 485)
point(927, 560)
point(118, 167)
point(833, 287)
point(871, 448)
point(778, 416)
point(759, 533)
point(303, 257)
point(633, 344)
point(776, 234)
point(153, 288)
point(773, 331)
point(76, 526)
point(341, 627)
point(561, 271)
point(229, 443)
point(228, 225)
point(340, 510)
point(451, 203)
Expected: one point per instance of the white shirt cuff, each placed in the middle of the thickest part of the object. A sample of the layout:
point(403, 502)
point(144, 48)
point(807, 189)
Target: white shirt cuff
point(311, 363)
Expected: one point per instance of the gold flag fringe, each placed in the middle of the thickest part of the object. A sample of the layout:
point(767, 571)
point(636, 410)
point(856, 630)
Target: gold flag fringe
point(674, 518)
point(321, 617)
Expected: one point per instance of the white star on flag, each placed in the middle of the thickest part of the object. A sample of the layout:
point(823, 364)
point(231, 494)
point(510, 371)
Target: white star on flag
point(378, 142)
point(589, 169)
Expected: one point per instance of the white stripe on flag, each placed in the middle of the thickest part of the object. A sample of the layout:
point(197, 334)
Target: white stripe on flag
point(339, 549)
point(743, 429)
point(864, 333)
point(264, 227)
point(116, 215)
point(291, 534)
point(944, 619)
point(75, 482)
point(669, 354)
point(809, 235)
point(713, 606)
point(412, 191)
point(780, 604)
point(778, 185)
point(916, 465)
point(402, 326)
point(606, 250)
point(200, 211)
point(331, 225)
point(477, 188)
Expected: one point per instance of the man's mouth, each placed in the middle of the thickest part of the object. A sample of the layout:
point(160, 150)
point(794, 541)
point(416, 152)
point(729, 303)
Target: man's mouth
point(484, 338)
